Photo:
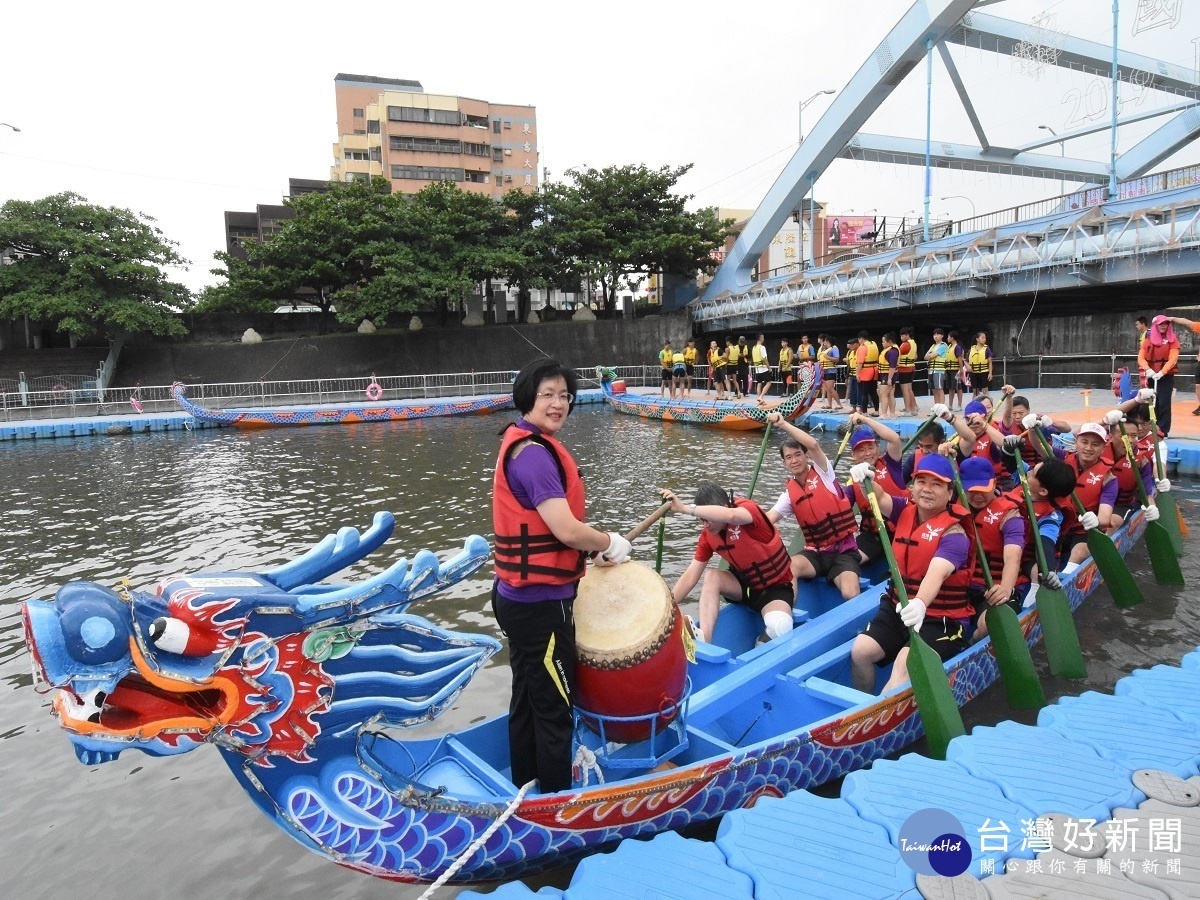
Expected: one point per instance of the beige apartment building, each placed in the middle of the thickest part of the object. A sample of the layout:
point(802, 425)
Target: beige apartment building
point(392, 128)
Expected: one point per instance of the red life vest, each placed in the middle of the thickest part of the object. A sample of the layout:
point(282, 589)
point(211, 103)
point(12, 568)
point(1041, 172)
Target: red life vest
point(1088, 484)
point(758, 564)
point(527, 552)
point(823, 514)
point(883, 478)
point(1157, 354)
point(915, 545)
point(988, 524)
point(983, 449)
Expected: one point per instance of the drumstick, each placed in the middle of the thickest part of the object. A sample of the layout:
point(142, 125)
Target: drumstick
point(648, 521)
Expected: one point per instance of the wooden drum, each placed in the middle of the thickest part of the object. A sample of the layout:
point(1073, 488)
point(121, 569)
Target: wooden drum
point(630, 649)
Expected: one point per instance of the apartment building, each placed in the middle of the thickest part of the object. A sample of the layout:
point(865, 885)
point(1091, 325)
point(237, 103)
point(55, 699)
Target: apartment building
point(394, 129)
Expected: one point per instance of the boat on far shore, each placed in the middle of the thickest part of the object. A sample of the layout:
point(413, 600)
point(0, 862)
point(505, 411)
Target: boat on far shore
point(341, 413)
point(732, 415)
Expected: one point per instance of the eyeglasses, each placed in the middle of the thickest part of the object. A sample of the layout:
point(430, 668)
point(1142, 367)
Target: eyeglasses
point(550, 397)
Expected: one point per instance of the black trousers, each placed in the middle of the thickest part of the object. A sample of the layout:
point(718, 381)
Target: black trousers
point(540, 719)
point(868, 392)
point(1162, 403)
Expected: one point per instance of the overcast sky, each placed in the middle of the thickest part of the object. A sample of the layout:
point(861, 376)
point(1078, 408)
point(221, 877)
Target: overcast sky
point(183, 110)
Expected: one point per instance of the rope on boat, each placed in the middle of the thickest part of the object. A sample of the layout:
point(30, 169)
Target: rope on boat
point(479, 841)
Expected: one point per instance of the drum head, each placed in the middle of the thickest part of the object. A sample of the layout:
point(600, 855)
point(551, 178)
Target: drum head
point(621, 611)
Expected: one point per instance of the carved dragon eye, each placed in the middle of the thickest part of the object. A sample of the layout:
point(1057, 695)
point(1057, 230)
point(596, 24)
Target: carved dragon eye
point(176, 636)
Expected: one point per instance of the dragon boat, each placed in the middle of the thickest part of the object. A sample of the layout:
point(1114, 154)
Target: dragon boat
point(340, 413)
point(306, 691)
point(732, 415)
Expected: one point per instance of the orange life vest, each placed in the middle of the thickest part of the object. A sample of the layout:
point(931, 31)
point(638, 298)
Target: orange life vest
point(757, 564)
point(915, 545)
point(1157, 354)
point(883, 478)
point(823, 515)
point(527, 552)
point(983, 449)
point(1088, 484)
point(988, 524)
point(1127, 474)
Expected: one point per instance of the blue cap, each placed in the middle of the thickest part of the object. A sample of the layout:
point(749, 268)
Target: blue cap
point(860, 435)
point(936, 465)
point(978, 474)
point(975, 407)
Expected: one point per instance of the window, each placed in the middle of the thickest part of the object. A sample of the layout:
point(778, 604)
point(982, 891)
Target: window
point(373, 127)
point(434, 116)
point(427, 173)
point(424, 144)
point(475, 121)
point(496, 126)
point(376, 155)
point(508, 124)
point(355, 154)
point(497, 154)
point(358, 113)
point(499, 181)
point(475, 149)
point(477, 177)
point(359, 131)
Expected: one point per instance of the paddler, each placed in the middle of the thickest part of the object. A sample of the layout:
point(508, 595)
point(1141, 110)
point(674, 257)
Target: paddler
point(815, 499)
point(760, 572)
point(935, 559)
point(864, 448)
point(538, 513)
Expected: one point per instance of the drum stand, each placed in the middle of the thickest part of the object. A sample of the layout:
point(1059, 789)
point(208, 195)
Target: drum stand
point(667, 737)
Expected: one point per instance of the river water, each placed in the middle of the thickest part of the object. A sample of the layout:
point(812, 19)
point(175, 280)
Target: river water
point(146, 506)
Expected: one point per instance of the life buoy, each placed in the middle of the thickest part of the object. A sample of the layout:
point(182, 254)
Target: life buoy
point(374, 391)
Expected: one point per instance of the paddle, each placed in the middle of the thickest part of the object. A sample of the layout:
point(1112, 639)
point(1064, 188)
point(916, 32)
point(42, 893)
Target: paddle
point(908, 445)
point(842, 446)
point(662, 533)
point(1125, 591)
point(1163, 560)
point(1053, 607)
point(931, 686)
point(1017, 671)
point(1166, 503)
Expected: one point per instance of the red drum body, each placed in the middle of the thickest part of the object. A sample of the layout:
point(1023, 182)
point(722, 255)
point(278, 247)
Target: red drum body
point(618, 387)
point(631, 659)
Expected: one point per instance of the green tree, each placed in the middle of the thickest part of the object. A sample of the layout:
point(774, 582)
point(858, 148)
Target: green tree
point(624, 222)
point(88, 269)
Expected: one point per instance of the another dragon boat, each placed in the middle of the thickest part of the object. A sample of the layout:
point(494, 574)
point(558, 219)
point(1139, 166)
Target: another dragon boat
point(732, 415)
point(340, 413)
point(306, 690)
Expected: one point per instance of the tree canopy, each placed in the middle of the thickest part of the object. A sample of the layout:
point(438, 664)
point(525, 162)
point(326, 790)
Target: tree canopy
point(88, 269)
point(373, 254)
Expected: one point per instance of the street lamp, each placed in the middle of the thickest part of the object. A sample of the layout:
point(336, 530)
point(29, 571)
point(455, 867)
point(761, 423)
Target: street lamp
point(805, 103)
point(962, 197)
point(1062, 152)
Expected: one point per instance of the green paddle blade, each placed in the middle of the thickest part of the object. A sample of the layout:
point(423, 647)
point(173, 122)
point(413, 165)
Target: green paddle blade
point(1162, 554)
point(1058, 628)
point(1170, 519)
point(1116, 574)
point(935, 700)
point(1021, 684)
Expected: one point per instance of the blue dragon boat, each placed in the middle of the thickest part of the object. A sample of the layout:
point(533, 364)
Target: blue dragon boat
point(307, 690)
point(340, 413)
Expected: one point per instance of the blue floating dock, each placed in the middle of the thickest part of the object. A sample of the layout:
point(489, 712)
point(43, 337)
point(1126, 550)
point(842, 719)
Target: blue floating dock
point(1079, 761)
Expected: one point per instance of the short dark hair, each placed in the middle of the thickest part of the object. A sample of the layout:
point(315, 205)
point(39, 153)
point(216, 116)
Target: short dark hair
point(890, 336)
point(953, 334)
point(1019, 400)
point(530, 378)
point(1141, 319)
point(1057, 477)
point(907, 329)
point(939, 330)
point(709, 493)
point(864, 335)
point(790, 443)
point(933, 430)
point(1139, 414)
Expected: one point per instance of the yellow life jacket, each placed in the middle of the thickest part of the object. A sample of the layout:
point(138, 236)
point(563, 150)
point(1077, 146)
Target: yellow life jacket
point(907, 360)
point(785, 359)
point(677, 359)
point(852, 359)
point(664, 357)
point(978, 359)
point(716, 358)
point(689, 355)
point(872, 357)
point(734, 354)
point(805, 351)
point(884, 368)
point(758, 353)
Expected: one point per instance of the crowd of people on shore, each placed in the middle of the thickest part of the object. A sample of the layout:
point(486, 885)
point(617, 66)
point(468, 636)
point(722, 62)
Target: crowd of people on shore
point(1023, 488)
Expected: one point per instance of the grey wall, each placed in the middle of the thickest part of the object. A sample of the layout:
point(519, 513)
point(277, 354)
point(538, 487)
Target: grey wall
point(452, 349)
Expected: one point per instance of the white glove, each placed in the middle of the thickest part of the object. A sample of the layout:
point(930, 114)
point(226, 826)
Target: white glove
point(1029, 422)
point(1114, 417)
point(1151, 513)
point(1050, 580)
point(1089, 520)
point(1145, 395)
point(1046, 422)
point(1154, 376)
point(1012, 444)
point(1163, 485)
point(941, 410)
point(913, 614)
point(860, 472)
point(618, 548)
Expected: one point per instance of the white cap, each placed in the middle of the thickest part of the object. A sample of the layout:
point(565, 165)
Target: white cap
point(1093, 428)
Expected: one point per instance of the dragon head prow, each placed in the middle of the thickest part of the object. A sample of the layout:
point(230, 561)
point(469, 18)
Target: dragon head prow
point(228, 658)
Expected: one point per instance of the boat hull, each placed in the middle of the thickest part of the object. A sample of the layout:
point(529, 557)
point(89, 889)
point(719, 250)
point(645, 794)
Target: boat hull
point(421, 833)
point(340, 414)
point(729, 415)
